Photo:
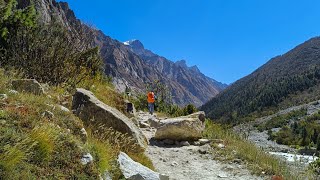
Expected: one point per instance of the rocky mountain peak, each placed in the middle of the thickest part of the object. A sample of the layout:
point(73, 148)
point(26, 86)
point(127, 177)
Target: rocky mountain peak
point(134, 44)
point(182, 63)
point(195, 69)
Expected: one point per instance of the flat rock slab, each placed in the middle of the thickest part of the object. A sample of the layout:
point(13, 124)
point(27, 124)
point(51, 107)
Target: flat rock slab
point(92, 111)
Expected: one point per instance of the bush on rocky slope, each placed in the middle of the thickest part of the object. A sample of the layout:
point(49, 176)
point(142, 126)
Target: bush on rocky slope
point(46, 52)
point(39, 138)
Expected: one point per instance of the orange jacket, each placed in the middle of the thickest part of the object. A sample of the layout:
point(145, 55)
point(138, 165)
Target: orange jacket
point(151, 97)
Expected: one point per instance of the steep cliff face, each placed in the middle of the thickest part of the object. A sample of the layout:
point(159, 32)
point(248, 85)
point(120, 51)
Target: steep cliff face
point(131, 65)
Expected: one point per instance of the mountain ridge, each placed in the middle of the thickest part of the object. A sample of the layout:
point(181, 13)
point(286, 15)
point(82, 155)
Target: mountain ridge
point(174, 70)
point(129, 69)
point(285, 80)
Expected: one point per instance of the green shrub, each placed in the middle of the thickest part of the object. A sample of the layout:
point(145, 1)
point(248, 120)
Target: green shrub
point(315, 166)
point(69, 57)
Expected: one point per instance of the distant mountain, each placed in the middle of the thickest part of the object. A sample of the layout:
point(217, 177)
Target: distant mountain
point(130, 64)
point(187, 84)
point(284, 81)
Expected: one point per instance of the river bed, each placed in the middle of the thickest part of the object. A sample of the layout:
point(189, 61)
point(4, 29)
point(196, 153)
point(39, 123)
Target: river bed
point(293, 158)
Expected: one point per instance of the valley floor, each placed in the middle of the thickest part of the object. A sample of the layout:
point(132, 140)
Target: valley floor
point(190, 162)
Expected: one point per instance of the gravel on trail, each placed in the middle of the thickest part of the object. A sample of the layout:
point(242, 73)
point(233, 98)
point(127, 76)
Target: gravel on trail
point(190, 162)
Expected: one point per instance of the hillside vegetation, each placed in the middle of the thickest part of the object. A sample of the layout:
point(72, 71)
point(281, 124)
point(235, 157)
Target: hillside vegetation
point(38, 137)
point(284, 81)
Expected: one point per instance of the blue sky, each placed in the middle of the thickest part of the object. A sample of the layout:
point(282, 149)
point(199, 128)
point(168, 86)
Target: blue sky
point(226, 39)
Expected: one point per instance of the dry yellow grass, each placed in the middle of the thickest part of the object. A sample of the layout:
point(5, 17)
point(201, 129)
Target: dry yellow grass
point(259, 162)
point(34, 146)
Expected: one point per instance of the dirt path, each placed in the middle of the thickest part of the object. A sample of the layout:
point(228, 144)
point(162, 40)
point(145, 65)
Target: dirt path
point(190, 162)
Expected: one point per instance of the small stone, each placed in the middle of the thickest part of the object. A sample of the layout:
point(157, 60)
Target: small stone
point(228, 168)
point(204, 141)
point(51, 106)
point(222, 176)
point(48, 114)
point(64, 108)
point(221, 146)
point(65, 103)
point(144, 125)
point(174, 163)
point(87, 158)
point(196, 143)
point(68, 130)
point(3, 122)
point(237, 161)
point(84, 135)
point(13, 91)
point(184, 143)
point(3, 96)
point(202, 151)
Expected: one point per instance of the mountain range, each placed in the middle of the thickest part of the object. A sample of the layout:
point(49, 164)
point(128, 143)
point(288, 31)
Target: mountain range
point(132, 66)
point(287, 80)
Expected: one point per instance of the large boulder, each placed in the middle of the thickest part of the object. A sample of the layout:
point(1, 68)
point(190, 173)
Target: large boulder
point(182, 128)
point(92, 111)
point(135, 171)
point(27, 85)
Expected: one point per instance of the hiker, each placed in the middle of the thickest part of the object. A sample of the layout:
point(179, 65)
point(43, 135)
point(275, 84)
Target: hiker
point(151, 100)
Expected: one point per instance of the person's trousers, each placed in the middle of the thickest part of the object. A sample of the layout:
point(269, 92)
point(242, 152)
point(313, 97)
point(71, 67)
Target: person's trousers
point(151, 108)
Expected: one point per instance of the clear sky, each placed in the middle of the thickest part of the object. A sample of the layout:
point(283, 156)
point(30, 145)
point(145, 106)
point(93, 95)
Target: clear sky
point(226, 39)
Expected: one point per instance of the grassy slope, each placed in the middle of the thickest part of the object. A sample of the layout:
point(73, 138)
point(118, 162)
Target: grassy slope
point(33, 146)
point(258, 161)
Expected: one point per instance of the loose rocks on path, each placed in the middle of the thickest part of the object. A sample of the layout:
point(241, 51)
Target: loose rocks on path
point(190, 162)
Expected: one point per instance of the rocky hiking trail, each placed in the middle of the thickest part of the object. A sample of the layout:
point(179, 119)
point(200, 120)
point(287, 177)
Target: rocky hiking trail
point(182, 161)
